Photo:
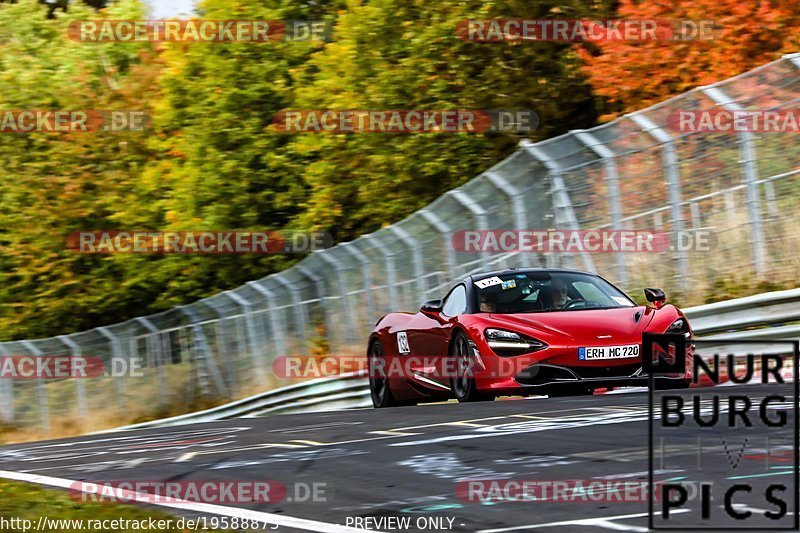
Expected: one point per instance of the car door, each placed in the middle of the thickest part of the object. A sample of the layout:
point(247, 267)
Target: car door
point(432, 340)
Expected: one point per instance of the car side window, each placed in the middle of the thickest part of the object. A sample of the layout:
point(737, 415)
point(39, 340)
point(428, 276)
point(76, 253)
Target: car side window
point(456, 302)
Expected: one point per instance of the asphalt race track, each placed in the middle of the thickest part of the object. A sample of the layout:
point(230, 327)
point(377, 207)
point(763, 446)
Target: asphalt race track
point(406, 462)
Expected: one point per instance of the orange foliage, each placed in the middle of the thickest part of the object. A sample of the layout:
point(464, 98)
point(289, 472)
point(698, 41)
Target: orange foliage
point(746, 34)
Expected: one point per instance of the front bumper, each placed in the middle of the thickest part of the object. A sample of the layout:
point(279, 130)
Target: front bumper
point(543, 375)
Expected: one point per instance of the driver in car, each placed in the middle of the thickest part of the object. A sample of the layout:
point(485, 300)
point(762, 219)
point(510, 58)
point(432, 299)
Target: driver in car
point(558, 290)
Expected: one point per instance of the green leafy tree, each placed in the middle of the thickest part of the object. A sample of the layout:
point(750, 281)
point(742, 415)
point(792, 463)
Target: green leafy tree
point(399, 54)
point(55, 183)
point(213, 160)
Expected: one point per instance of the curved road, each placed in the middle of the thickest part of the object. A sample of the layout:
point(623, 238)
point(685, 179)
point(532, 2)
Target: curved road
point(404, 462)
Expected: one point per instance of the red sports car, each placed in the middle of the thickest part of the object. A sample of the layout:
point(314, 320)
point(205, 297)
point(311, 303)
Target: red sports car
point(519, 332)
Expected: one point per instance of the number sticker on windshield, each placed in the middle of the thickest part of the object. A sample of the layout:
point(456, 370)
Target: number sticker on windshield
point(488, 282)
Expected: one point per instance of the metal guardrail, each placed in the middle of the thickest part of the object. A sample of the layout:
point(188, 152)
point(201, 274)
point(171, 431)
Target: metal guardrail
point(351, 391)
point(346, 391)
point(768, 316)
point(744, 313)
point(633, 173)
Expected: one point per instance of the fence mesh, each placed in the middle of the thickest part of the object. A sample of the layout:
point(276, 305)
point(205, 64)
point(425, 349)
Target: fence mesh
point(633, 173)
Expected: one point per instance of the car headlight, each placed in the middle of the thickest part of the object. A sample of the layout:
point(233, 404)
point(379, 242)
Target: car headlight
point(679, 326)
point(509, 343)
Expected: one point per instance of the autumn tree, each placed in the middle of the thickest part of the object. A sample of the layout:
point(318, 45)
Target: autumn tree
point(213, 160)
point(57, 182)
point(400, 54)
point(744, 34)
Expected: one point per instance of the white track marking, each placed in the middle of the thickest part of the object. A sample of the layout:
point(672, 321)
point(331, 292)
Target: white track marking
point(315, 427)
point(128, 444)
point(185, 457)
point(535, 426)
point(204, 508)
point(603, 522)
point(745, 507)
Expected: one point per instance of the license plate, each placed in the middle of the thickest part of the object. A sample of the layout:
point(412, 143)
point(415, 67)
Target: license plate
point(608, 352)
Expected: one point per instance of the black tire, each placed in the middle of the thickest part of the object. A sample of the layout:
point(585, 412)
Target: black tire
point(464, 387)
point(378, 386)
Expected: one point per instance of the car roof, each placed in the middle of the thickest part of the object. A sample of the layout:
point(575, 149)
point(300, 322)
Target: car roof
point(483, 275)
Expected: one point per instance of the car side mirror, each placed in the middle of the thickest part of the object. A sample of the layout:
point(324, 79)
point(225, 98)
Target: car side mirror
point(655, 297)
point(431, 306)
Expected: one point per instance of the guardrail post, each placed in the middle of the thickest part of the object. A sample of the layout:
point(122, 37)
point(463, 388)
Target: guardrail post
point(513, 193)
point(203, 356)
point(116, 354)
point(367, 278)
point(7, 394)
point(416, 256)
point(478, 212)
point(154, 347)
point(348, 309)
point(770, 190)
point(444, 230)
point(794, 58)
point(612, 179)
point(391, 278)
point(299, 312)
point(221, 338)
point(562, 204)
point(251, 330)
point(517, 200)
point(44, 407)
point(749, 166)
point(80, 388)
point(319, 288)
point(669, 163)
point(274, 323)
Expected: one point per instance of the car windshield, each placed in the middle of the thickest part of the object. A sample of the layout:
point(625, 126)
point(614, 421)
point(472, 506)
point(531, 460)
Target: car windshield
point(539, 292)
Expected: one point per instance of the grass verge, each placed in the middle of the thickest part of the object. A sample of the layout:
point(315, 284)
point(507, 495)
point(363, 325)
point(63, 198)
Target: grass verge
point(21, 501)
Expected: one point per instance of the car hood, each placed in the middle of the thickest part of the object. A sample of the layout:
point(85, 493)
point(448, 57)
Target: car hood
point(598, 326)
